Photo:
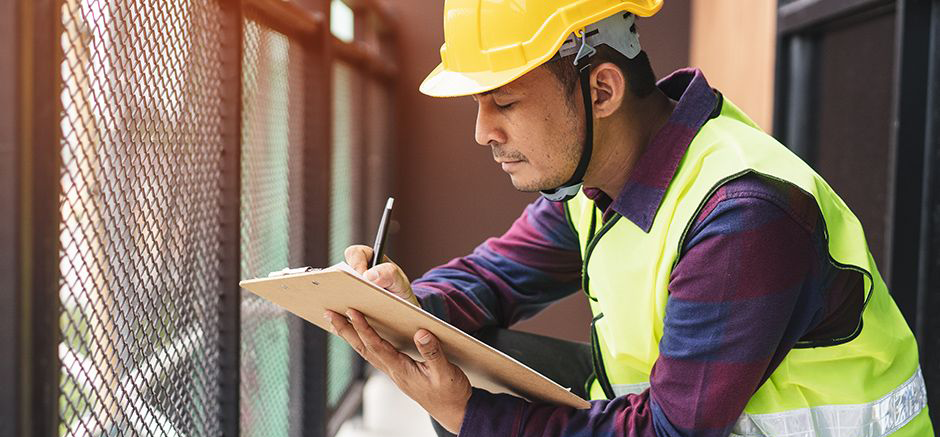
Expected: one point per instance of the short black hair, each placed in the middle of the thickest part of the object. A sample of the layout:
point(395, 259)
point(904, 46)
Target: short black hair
point(639, 73)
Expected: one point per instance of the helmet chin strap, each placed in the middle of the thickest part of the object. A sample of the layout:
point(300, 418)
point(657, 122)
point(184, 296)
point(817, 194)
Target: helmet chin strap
point(570, 189)
point(619, 33)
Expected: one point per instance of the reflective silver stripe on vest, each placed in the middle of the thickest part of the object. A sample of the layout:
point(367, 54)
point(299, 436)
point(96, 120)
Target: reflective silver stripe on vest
point(629, 389)
point(874, 419)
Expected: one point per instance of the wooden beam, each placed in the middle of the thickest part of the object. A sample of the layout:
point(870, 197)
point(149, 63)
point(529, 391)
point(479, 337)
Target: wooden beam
point(285, 16)
point(364, 57)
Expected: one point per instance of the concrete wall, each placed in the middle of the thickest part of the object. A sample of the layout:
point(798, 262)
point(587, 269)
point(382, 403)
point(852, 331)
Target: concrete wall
point(450, 194)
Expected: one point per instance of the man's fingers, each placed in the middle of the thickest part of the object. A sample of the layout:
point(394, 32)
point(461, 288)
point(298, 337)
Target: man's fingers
point(430, 349)
point(390, 277)
point(358, 257)
point(383, 350)
point(344, 329)
point(386, 275)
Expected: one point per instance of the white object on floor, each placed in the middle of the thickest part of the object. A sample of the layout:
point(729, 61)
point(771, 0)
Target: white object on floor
point(387, 412)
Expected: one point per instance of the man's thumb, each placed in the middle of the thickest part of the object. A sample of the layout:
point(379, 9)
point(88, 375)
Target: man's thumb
point(429, 348)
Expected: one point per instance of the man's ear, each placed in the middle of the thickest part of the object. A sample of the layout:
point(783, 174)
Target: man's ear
point(608, 88)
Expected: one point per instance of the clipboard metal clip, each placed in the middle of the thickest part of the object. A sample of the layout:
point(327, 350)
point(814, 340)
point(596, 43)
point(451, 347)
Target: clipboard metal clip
point(289, 271)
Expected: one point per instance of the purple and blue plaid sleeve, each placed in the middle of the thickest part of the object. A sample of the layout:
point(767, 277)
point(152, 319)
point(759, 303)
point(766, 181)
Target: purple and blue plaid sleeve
point(510, 278)
point(745, 289)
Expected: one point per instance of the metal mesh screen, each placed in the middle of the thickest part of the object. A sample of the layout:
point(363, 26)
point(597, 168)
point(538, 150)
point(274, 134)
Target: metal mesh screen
point(342, 362)
point(271, 230)
point(141, 157)
point(144, 134)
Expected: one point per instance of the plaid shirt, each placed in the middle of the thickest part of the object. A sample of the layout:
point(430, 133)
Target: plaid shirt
point(752, 279)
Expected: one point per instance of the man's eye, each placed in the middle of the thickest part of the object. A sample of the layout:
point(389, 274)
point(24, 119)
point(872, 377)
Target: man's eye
point(505, 105)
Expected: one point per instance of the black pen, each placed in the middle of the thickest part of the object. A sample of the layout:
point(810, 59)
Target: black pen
point(378, 249)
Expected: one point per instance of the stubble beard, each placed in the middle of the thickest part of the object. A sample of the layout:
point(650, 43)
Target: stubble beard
point(558, 175)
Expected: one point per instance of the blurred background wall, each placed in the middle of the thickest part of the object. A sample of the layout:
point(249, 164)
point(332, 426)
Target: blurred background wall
point(733, 42)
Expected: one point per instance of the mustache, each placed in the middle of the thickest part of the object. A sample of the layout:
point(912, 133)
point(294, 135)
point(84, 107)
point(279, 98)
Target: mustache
point(506, 155)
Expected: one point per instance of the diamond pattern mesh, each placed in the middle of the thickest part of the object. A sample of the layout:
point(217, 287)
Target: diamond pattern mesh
point(272, 143)
point(141, 168)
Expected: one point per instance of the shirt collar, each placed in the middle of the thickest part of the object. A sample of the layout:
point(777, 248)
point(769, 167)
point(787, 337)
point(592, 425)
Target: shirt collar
point(643, 192)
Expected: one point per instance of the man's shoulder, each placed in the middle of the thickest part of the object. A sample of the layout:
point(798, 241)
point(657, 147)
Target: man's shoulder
point(543, 223)
point(756, 192)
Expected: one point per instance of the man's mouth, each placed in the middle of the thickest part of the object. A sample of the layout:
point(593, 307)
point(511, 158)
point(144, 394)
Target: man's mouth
point(508, 165)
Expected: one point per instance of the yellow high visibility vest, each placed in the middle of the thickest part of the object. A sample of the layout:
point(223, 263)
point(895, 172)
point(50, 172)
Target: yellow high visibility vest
point(867, 384)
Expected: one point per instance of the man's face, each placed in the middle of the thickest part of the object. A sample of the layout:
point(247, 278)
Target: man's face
point(532, 130)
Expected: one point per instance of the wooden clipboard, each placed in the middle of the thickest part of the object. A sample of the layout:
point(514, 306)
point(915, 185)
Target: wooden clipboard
point(339, 288)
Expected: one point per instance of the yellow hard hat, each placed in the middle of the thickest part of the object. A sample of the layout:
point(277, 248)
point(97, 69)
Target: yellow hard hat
point(489, 43)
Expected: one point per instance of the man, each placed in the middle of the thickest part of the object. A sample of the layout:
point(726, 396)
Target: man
point(733, 291)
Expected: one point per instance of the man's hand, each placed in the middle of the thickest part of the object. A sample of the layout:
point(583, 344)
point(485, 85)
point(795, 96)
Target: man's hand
point(440, 387)
point(386, 274)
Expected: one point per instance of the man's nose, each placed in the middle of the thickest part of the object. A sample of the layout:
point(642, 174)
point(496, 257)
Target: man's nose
point(488, 129)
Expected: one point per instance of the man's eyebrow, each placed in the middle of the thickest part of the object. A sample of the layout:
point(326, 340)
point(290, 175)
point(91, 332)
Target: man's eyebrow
point(499, 90)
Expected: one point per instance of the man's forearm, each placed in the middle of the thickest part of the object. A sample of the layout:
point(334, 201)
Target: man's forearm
point(501, 415)
point(506, 279)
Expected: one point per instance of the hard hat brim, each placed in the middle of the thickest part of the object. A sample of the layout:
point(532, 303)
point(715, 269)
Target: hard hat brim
point(444, 83)
point(488, 72)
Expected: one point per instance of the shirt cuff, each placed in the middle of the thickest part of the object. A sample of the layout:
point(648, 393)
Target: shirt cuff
point(491, 414)
point(430, 300)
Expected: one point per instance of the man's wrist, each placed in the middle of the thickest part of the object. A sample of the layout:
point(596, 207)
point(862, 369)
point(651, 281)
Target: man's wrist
point(452, 419)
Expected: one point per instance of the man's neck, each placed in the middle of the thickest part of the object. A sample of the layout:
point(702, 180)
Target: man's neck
point(619, 143)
